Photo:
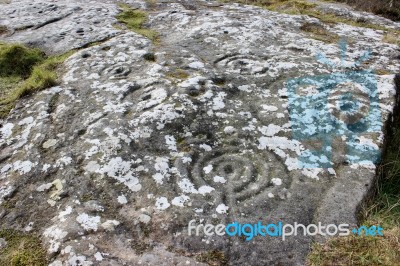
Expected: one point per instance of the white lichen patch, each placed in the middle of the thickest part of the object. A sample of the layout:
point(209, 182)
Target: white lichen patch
point(6, 132)
point(219, 179)
point(171, 143)
point(119, 169)
point(207, 169)
point(54, 235)
point(110, 225)
point(276, 181)
point(122, 199)
point(162, 168)
point(162, 203)
point(62, 214)
point(88, 222)
point(222, 208)
point(180, 201)
point(188, 187)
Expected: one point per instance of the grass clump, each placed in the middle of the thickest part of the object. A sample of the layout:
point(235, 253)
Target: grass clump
point(135, 20)
point(24, 71)
point(21, 249)
point(18, 60)
point(319, 32)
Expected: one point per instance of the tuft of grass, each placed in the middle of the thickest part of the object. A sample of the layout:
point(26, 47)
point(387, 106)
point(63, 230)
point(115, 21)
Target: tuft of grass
point(21, 249)
point(18, 60)
point(25, 71)
point(135, 21)
point(319, 32)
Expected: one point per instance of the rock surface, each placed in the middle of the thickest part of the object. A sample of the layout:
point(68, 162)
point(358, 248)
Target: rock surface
point(111, 165)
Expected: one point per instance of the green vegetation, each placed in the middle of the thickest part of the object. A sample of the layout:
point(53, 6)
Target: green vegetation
point(386, 8)
point(24, 71)
point(383, 210)
point(17, 60)
point(135, 20)
point(21, 249)
point(302, 7)
point(318, 32)
point(353, 250)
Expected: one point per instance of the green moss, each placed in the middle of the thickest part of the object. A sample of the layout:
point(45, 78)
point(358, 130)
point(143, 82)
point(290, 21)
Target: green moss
point(38, 76)
point(135, 20)
point(213, 258)
point(21, 249)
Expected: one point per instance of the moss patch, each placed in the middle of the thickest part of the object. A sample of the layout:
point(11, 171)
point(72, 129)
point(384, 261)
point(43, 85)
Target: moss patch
point(21, 249)
point(24, 71)
point(213, 258)
point(135, 21)
point(177, 74)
